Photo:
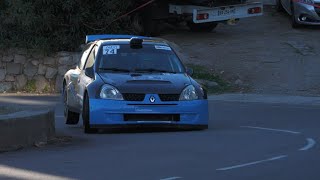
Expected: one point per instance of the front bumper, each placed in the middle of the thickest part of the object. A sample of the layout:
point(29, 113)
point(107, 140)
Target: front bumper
point(311, 12)
point(111, 113)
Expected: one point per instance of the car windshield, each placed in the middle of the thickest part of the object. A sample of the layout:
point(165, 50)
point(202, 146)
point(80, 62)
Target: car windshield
point(149, 59)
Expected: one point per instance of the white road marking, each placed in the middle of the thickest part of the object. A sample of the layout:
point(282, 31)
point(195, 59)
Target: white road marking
point(270, 129)
point(171, 178)
point(252, 163)
point(310, 144)
point(24, 174)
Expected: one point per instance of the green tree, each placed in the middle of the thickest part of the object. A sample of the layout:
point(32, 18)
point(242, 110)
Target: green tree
point(54, 25)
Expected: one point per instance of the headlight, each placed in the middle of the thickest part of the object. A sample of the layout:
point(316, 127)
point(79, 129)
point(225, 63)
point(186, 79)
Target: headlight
point(306, 1)
point(189, 93)
point(110, 92)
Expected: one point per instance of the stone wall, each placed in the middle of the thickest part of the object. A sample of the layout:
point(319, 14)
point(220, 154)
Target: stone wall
point(30, 71)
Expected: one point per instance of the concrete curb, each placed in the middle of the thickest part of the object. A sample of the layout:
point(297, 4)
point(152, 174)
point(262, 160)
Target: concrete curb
point(269, 99)
point(25, 128)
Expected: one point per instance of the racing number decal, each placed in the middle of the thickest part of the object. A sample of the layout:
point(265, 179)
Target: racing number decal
point(111, 49)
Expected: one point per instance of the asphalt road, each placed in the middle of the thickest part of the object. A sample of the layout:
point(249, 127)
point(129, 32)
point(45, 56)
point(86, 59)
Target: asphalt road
point(244, 141)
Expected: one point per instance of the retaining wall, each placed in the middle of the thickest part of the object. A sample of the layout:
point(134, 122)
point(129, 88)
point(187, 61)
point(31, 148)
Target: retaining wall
point(26, 70)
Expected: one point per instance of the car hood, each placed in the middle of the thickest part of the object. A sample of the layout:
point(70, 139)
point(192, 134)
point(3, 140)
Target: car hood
point(160, 83)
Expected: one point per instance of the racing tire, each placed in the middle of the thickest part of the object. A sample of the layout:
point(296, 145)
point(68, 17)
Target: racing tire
point(202, 27)
point(279, 6)
point(294, 22)
point(71, 118)
point(86, 117)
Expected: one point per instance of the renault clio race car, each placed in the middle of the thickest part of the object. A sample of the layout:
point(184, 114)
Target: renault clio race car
point(132, 81)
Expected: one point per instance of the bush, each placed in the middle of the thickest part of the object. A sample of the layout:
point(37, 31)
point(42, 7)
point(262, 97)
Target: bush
point(54, 25)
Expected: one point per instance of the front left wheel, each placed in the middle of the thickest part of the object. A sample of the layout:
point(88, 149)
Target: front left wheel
point(86, 116)
point(71, 118)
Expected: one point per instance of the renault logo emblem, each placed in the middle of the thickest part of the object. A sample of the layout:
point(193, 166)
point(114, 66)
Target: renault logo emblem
point(152, 99)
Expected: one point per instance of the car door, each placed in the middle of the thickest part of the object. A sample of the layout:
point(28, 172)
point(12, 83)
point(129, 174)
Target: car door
point(75, 75)
point(84, 80)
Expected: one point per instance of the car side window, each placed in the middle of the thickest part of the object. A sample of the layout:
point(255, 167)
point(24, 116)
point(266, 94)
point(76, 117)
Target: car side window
point(91, 57)
point(84, 56)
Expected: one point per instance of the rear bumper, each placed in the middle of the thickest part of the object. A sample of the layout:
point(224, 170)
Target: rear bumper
point(225, 13)
point(311, 12)
point(111, 113)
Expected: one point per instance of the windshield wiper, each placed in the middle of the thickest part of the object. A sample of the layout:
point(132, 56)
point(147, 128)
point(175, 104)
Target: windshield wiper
point(115, 69)
point(153, 70)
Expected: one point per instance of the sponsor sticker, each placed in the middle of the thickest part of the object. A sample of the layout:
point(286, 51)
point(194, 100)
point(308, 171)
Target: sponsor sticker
point(163, 47)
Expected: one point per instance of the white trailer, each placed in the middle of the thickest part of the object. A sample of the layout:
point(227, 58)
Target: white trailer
point(200, 15)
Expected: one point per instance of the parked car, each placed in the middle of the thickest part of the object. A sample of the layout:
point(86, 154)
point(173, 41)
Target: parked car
point(128, 81)
point(303, 12)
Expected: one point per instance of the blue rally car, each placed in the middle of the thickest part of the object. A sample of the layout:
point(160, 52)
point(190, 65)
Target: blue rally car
point(132, 81)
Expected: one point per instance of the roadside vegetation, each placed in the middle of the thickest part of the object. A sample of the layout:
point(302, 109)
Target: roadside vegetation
point(58, 25)
point(31, 86)
point(214, 83)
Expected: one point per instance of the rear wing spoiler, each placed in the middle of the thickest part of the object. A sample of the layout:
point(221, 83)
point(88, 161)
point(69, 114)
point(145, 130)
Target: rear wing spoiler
point(91, 38)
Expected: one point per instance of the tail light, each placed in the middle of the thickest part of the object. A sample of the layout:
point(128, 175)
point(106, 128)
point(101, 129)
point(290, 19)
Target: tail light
point(255, 10)
point(202, 16)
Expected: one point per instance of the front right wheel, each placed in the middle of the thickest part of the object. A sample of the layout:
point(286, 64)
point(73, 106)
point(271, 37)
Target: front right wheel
point(86, 117)
point(294, 22)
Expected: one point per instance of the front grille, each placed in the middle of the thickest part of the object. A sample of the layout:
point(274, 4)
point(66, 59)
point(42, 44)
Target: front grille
point(151, 117)
point(169, 97)
point(133, 97)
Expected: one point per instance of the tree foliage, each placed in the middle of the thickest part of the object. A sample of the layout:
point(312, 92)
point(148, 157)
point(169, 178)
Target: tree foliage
point(54, 25)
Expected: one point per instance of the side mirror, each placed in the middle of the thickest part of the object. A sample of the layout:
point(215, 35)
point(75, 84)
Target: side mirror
point(89, 72)
point(190, 71)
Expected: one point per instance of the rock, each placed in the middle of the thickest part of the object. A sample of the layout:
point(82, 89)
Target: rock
point(19, 59)
point(49, 61)
point(2, 74)
point(13, 68)
point(21, 51)
point(9, 78)
point(238, 82)
point(20, 82)
point(207, 83)
point(76, 58)
point(37, 55)
point(66, 60)
point(8, 58)
point(30, 69)
point(5, 86)
point(41, 83)
point(62, 70)
point(63, 54)
point(35, 62)
point(42, 69)
point(51, 72)
point(58, 85)
point(212, 84)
